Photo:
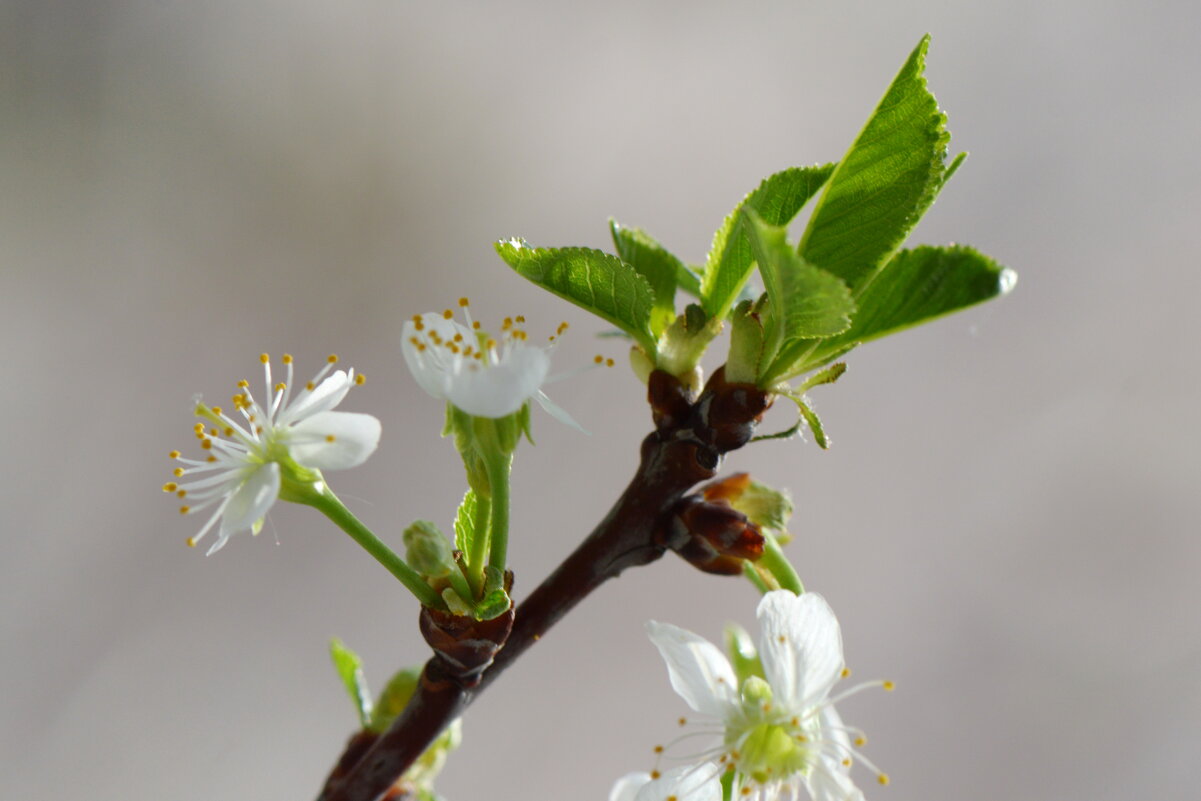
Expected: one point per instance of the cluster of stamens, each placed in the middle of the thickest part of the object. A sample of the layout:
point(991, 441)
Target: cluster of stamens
point(233, 448)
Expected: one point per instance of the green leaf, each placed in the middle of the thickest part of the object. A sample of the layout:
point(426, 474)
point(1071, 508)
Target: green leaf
point(661, 269)
point(777, 200)
point(886, 181)
point(394, 698)
point(813, 421)
point(591, 279)
point(465, 523)
point(350, 670)
point(804, 301)
point(917, 286)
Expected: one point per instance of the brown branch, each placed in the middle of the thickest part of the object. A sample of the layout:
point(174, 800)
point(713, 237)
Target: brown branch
point(690, 437)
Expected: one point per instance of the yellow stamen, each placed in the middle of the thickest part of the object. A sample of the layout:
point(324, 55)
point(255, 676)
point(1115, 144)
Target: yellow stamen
point(216, 410)
point(360, 379)
point(846, 671)
point(889, 686)
point(598, 359)
point(309, 386)
point(177, 472)
point(332, 358)
point(287, 358)
point(682, 721)
point(463, 302)
point(280, 386)
point(173, 455)
point(475, 325)
point(170, 486)
point(183, 510)
point(182, 493)
point(264, 358)
point(860, 742)
point(609, 362)
point(883, 779)
point(655, 774)
point(207, 444)
point(658, 749)
point(243, 384)
point(330, 437)
point(191, 541)
point(448, 314)
point(212, 459)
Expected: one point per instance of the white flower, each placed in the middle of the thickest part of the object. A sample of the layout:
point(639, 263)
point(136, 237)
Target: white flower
point(475, 372)
point(242, 471)
point(696, 783)
point(781, 731)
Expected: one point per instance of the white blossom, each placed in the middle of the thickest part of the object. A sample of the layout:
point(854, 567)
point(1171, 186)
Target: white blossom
point(696, 783)
point(781, 733)
point(482, 375)
point(248, 459)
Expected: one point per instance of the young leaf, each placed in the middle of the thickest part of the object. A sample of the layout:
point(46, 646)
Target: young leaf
point(777, 200)
point(394, 698)
point(814, 422)
point(805, 302)
point(885, 182)
point(350, 670)
point(918, 286)
point(653, 262)
point(465, 523)
point(591, 279)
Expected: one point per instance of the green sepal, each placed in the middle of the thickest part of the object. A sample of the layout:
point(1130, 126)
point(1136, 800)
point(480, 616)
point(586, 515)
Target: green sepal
point(765, 506)
point(884, 183)
point(350, 670)
point(916, 287)
point(595, 281)
point(804, 301)
point(777, 200)
point(496, 600)
point(660, 268)
point(743, 656)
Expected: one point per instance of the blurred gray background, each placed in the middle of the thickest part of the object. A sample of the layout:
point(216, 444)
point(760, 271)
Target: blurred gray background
point(1006, 524)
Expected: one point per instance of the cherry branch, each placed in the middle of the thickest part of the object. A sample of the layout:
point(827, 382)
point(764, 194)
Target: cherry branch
point(691, 436)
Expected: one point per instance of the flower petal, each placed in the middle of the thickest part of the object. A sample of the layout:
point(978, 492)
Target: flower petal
point(500, 389)
point(249, 503)
point(699, 671)
point(558, 412)
point(326, 395)
point(626, 788)
point(690, 783)
point(828, 782)
point(835, 731)
point(801, 647)
point(355, 437)
point(432, 368)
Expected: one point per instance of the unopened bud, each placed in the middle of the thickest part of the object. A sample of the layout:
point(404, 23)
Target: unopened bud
point(427, 550)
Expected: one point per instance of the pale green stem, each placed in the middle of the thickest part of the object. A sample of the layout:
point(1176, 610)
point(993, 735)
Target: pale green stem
point(328, 504)
point(748, 570)
point(499, 467)
point(777, 563)
point(478, 552)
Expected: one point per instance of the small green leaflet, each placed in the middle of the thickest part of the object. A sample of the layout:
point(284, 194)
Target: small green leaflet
point(917, 286)
point(885, 182)
point(653, 262)
point(350, 670)
point(465, 523)
point(596, 281)
point(777, 200)
point(804, 301)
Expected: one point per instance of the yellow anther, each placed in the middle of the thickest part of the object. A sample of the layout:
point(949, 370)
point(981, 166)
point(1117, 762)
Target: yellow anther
point(212, 432)
point(598, 359)
point(258, 430)
point(453, 347)
point(609, 362)
point(173, 455)
point(463, 302)
point(562, 327)
point(883, 778)
point(207, 444)
point(682, 721)
point(673, 798)
point(287, 358)
point(795, 721)
point(490, 344)
point(251, 418)
point(229, 432)
point(520, 319)
point(419, 325)
point(264, 358)
point(191, 541)
point(800, 738)
point(170, 486)
point(781, 639)
point(332, 358)
point(243, 384)
point(182, 493)
point(216, 410)
point(889, 686)
point(478, 356)
point(183, 510)
point(860, 741)
point(658, 749)
point(655, 774)
point(177, 472)
point(330, 437)
point(280, 386)
point(458, 337)
point(211, 459)
point(846, 671)
point(475, 325)
point(846, 762)
point(420, 347)
point(416, 319)
point(448, 314)
point(198, 427)
point(360, 379)
point(745, 790)
point(309, 386)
